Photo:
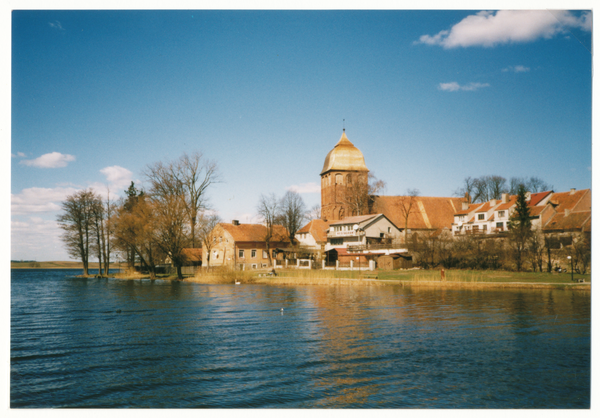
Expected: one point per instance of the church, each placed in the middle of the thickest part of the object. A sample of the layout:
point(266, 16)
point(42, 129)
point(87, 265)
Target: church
point(345, 192)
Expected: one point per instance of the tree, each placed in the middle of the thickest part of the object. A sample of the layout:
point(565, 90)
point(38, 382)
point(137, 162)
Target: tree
point(206, 232)
point(188, 177)
point(407, 205)
point(485, 188)
point(196, 175)
point(134, 232)
point(536, 250)
point(519, 227)
point(360, 191)
point(314, 213)
point(533, 185)
point(268, 209)
point(76, 222)
point(292, 212)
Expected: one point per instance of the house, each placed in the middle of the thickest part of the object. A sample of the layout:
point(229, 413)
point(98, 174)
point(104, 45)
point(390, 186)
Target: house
point(426, 216)
point(192, 257)
point(243, 246)
point(344, 193)
point(312, 237)
point(360, 238)
point(550, 213)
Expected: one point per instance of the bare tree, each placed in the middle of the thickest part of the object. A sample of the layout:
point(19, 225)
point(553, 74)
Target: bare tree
point(188, 177)
point(360, 192)
point(268, 209)
point(196, 174)
point(407, 205)
point(76, 222)
point(314, 213)
point(468, 187)
point(536, 250)
point(533, 185)
point(206, 232)
point(292, 211)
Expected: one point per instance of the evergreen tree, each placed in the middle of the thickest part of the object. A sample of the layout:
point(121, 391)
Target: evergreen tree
point(519, 227)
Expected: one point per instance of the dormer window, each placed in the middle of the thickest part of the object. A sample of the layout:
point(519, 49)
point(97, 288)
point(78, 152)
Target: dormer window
point(481, 217)
point(501, 214)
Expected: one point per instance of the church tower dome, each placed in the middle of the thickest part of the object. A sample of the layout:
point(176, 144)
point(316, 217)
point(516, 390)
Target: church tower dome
point(345, 157)
point(344, 179)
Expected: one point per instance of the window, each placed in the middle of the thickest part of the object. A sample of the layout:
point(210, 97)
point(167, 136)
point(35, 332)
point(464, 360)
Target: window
point(263, 265)
point(241, 254)
point(253, 255)
point(485, 227)
point(389, 229)
point(265, 254)
point(348, 179)
point(481, 217)
point(501, 214)
point(475, 228)
point(499, 225)
point(220, 239)
point(274, 253)
point(337, 241)
point(253, 266)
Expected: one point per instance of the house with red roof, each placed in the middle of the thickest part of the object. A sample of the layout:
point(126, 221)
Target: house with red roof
point(244, 246)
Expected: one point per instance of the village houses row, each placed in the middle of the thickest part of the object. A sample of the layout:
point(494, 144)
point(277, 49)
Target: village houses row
point(341, 235)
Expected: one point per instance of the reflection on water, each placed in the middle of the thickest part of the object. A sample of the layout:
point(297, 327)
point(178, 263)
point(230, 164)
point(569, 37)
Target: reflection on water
point(225, 346)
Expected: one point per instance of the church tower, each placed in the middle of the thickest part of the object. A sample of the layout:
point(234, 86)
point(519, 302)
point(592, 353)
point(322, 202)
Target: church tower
point(343, 179)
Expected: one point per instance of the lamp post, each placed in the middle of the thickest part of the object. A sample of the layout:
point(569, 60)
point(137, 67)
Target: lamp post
point(569, 258)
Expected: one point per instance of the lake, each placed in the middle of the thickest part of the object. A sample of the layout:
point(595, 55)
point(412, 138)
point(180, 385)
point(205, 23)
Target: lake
point(106, 343)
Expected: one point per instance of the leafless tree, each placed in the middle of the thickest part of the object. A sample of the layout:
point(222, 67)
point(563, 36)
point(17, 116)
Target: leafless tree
point(536, 250)
point(292, 212)
point(269, 210)
point(533, 185)
point(407, 205)
point(360, 192)
point(206, 232)
point(314, 213)
point(188, 177)
point(76, 222)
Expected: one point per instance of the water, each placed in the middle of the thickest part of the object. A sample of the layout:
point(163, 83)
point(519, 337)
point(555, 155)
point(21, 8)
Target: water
point(184, 345)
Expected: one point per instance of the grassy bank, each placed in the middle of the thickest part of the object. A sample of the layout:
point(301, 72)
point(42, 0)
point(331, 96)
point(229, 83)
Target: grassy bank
point(413, 278)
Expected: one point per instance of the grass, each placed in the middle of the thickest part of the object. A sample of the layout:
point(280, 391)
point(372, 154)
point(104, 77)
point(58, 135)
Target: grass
point(482, 276)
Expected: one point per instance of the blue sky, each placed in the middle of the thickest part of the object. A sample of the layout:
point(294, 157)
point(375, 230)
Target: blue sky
point(429, 97)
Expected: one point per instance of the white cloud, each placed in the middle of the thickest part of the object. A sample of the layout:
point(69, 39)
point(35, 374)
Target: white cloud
point(56, 25)
point(51, 160)
point(38, 199)
point(36, 239)
point(516, 69)
point(454, 86)
point(489, 29)
point(118, 177)
point(305, 188)
point(18, 154)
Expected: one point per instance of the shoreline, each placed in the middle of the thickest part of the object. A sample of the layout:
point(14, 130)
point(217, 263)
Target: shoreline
point(295, 281)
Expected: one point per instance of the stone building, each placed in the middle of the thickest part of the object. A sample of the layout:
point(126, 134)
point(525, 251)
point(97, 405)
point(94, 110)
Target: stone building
point(343, 178)
point(243, 246)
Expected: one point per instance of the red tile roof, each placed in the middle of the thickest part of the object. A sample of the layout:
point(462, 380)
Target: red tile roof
point(255, 232)
point(317, 228)
point(574, 221)
point(566, 200)
point(538, 197)
point(427, 212)
point(192, 254)
point(354, 219)
point(471, 208)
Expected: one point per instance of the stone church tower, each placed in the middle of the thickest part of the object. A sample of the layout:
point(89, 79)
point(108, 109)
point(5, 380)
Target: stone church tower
point(344, 170)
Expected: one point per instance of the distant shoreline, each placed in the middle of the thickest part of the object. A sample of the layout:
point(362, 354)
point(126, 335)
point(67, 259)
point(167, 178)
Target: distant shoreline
point(41, 265)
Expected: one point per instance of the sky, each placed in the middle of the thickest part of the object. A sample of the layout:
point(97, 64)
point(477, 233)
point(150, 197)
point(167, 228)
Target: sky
point(430, 97)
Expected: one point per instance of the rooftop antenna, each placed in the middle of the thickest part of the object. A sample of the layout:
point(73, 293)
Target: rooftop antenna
point(344, 125)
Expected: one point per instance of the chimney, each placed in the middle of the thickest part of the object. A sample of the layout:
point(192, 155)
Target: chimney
point(468, 197)
point(528, 196)
point(465, 205)
point(492, 202)
point(235, 222)
point(573, 191)
point(504, 197)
